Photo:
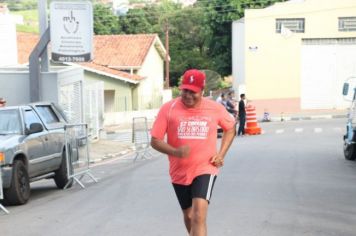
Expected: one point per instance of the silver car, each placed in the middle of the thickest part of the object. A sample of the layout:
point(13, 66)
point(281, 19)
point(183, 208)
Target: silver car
point(32, 147)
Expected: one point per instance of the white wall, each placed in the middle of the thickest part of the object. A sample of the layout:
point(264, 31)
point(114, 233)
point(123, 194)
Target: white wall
point(238, 56)
point(8, 45)
point(325, 67)
point(124, 119)
point(152, 70)
point(14, 84)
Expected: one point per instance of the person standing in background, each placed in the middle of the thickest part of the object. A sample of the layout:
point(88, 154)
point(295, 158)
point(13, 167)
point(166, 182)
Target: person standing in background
point(242, 115)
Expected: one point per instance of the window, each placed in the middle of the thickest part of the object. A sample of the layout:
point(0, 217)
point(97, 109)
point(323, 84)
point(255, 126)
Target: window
point(347, 23)
point(30, 118)
point(48, 115)
point(296, 25)
point(10, 122)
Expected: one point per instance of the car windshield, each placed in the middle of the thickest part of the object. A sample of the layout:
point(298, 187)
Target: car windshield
point(10, 122)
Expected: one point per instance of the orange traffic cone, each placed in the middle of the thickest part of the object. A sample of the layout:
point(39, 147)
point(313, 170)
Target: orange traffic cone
point(251, 121)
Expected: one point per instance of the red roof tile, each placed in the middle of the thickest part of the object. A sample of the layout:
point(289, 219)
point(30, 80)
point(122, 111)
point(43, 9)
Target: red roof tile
point(113, 72)
point(25, 44)
point(121, 51)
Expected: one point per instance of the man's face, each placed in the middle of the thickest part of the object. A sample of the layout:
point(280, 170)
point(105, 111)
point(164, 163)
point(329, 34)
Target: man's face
point(189, 98)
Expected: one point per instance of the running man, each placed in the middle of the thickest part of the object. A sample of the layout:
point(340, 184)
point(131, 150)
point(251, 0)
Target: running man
point(190, 123)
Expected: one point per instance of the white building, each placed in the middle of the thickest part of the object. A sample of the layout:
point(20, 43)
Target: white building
point(8, 46)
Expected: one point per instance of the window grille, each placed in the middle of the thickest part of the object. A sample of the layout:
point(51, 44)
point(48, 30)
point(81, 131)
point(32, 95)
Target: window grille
point(296, 25)
point(329, 41)
point(71, 102)
point(347, 23)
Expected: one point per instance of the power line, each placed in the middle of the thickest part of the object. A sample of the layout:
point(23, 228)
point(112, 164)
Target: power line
point(167, 14)
point(205, 6)
point(156, 16)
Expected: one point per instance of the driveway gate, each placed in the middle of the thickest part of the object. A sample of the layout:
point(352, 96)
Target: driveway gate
point(141, 137)
point(77, 153)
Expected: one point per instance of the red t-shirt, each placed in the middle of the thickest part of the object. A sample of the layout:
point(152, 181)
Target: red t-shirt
point(196, 127)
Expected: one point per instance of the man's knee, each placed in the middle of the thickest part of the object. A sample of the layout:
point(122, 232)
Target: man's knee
point(198, 218)
point(188, 216)
point(199, 212)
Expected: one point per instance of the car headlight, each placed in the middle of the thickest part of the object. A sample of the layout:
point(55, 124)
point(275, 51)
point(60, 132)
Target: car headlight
point(2, 158)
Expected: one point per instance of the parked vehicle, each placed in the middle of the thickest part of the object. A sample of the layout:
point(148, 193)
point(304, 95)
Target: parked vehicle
point(350, 137)
point(33, 147)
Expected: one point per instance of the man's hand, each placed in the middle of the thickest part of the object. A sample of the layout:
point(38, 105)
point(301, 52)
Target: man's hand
point(217, 160)
point(182, 151)
point(162, 146)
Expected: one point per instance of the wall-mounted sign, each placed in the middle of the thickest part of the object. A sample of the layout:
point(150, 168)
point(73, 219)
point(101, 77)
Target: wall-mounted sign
point(71, 25)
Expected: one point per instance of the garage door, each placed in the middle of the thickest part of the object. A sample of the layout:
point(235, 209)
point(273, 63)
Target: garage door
point(325, 65)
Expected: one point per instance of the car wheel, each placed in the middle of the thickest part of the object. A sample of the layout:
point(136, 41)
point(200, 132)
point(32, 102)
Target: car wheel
point(349, 151)
point(61, 175)
point(19, 191)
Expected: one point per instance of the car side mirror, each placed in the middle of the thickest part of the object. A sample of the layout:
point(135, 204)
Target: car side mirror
point(345, 89)
point(35, 128)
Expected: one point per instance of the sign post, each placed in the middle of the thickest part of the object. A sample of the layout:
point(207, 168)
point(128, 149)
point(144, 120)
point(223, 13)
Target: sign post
point(71, 25)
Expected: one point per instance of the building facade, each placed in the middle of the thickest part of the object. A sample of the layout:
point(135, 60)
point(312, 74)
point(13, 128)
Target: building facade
point(295, 55)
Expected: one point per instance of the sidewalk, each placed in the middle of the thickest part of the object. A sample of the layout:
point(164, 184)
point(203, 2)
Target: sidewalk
point(104, 149)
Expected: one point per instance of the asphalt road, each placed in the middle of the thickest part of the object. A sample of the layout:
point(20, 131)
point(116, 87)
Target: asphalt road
point(291, 180)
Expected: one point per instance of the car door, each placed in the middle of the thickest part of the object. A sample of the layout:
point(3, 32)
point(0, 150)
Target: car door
point(35, 144)
point(55, 128)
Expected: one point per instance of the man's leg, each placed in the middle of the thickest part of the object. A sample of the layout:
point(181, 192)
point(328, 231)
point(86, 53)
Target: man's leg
point(184, 196)
point(240, 127)
point(199, 214)
point(202, 188)
point(194, 200)
point(187, 213)
point(243, 122)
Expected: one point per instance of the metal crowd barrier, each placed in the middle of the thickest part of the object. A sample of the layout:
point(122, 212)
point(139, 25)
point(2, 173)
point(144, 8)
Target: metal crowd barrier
point(77, 153)
point(2, 194)
point(141, 138)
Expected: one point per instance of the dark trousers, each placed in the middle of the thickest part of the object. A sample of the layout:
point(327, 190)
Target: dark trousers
point(242, 125)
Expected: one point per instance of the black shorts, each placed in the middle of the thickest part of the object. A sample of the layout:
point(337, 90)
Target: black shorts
point(201, 187)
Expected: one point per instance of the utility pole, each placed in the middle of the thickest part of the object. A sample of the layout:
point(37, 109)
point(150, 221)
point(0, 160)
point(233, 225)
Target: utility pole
point(43, 24)
point(40, 51)
point(167, 54)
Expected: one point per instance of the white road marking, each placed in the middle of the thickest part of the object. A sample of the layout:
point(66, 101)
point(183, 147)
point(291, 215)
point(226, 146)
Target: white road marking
point(318, 130)
point(279, 131)
point(339, 129)
point(298, 130)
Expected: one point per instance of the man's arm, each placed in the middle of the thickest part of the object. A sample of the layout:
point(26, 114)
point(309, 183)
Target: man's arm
point(161, 146)
point(227, 138)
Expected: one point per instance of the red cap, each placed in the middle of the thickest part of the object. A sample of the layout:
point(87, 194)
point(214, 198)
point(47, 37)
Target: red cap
point(193, 80)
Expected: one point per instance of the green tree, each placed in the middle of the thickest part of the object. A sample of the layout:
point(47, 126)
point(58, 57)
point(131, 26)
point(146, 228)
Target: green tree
point(219, 15)
point(20, 5)
point(187, 33)
point(105, 22)
point(188, 42)
point(138, 21)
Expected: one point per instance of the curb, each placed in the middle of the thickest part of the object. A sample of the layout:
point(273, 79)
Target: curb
point(118, 131)
point(112, 156)
point(109, 156)
point(299, 118)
